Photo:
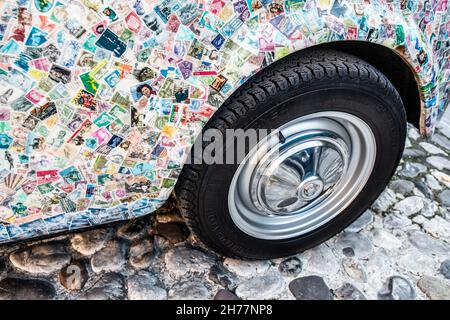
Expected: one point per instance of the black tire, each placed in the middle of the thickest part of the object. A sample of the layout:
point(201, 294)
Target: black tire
point(271, 98)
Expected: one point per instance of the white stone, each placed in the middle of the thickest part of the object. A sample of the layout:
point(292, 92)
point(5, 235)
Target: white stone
point(384, 201)
point(414, 261)
point(432, 149)
point(110, 258)
point(413, 133)
point(89, 242)
point(189, 290)
point(433, 183)
point(265, 287)
point(395, 220)
point(355, 270)
point(438, 227)
point(362, 222)
point(359, 243)
point(412, 169)
point(408, 143)
point(246, 268)
point(419, 219)
point(441, 141)
point(429, 208)
point(439, 163)
point(441, 177)
point(410, 205)
point(41, 259)
point(321, 260)
point(181, 261)
point(142, 286)
point(434, 288)
point(384, 239)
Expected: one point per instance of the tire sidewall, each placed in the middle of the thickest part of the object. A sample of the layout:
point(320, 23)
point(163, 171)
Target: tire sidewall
point(373, 108)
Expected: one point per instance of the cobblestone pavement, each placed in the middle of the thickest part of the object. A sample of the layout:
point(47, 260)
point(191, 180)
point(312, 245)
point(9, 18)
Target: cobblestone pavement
point(399, 249)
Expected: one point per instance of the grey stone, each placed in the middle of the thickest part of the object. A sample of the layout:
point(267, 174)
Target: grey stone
point(442, 177)
point(415, 261)
point(181, 261)
point(397, 288)
point(320, 260)
point(348, 252)
point(437, 227)
point(109, 287)
point(222, 276)
point(413, 133)
point(434, 288)
point(419, 219)
point(89, 242)
point(363, 221)
point(265, 287)
point(444, 198)
point(246, 268)
point(355, 270)
point(110, 258)
point(439, 163)
point(173, 232)
point(412, 169)
point(291, 267)
point(385, 239)
point(414, 153)
point(26, 289)
point(445, 130)
point(225, 295)
point(41, 259)
point(402, 186)
point(427, 244)
point(446, 213)
point(441, 140)
point(361, 244)
point(429, 208)
point(133, 230)
point(410, 205)
point(74, 276)
point(143, 286)
point(349, 292)
point(445, 268)
point(189, 290)
point(433, 183)
point(141, 254)
point(310, 288)
point(432, 149)
point(384, 201)
point(395, 220)
point(408, 143)
point(424, 190)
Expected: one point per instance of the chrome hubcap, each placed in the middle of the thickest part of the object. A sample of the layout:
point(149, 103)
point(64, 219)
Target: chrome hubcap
point(303, 176)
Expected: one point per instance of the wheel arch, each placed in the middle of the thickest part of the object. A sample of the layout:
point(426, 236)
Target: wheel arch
point(393, 66)
point(396, 68)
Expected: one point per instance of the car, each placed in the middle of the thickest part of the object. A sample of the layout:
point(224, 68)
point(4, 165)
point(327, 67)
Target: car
point(107, 108)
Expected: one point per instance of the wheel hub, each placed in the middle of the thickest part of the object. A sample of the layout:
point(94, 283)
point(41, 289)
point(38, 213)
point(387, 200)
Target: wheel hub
point(310, 190)
point(298, 172)
point(292, 185)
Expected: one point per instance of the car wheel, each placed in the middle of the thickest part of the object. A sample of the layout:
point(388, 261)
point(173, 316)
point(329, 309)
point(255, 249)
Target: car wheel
point(338, 130)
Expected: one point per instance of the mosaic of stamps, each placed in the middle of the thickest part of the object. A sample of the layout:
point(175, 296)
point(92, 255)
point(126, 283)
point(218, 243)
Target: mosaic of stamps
point(101, 101)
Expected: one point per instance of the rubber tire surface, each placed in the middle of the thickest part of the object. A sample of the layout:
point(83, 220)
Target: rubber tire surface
point(304, 83)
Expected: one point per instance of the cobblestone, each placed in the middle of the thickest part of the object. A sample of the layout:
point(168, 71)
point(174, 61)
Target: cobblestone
point(399, 249)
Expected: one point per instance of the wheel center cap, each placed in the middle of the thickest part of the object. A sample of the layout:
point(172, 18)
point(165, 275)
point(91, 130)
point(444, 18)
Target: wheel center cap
point(310, 188)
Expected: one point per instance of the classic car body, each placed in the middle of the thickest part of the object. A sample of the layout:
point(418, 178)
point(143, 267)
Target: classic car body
point(101, 101)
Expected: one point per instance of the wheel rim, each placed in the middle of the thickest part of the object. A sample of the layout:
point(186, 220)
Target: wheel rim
point(302, 176)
